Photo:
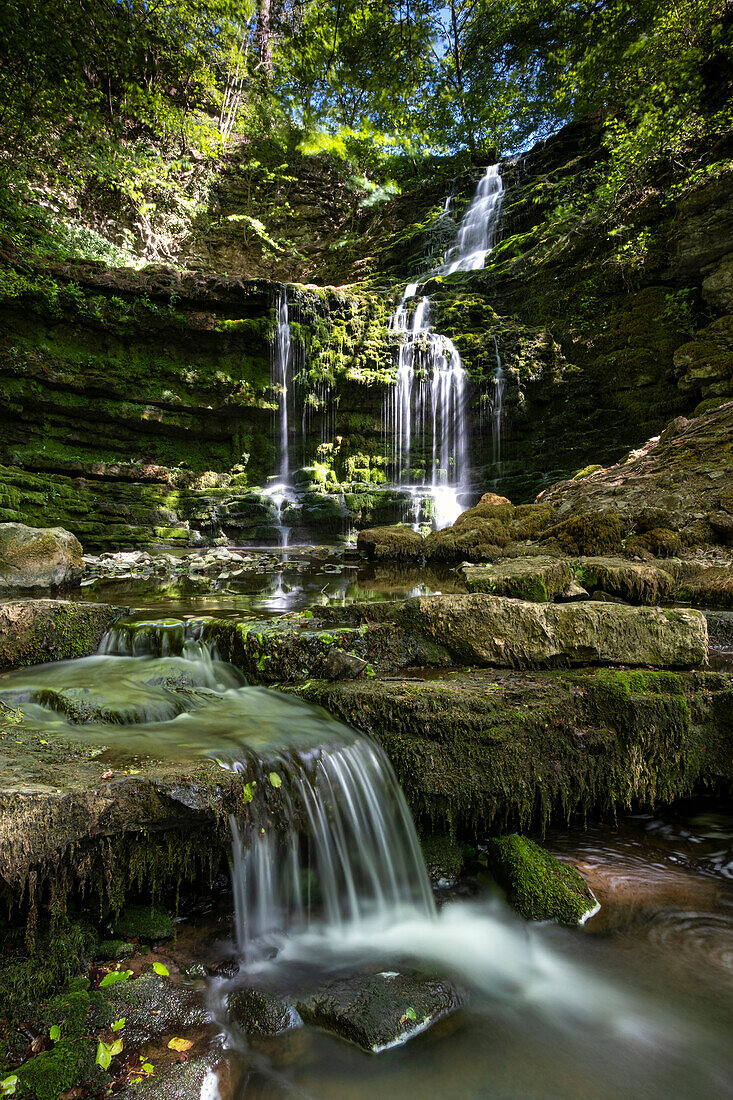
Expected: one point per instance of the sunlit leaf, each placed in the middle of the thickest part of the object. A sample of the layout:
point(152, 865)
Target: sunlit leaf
point(180, 1044)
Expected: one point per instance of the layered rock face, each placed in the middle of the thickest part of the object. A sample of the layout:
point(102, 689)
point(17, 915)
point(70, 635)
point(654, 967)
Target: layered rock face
point(141, 405)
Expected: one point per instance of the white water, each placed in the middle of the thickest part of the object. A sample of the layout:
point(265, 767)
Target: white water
point(426, 411)
point(478, 229)
point(280, 375)
point(346, 837)
point(280, 494)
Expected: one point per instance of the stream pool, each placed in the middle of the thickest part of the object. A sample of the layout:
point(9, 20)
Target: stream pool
point(637, 1003)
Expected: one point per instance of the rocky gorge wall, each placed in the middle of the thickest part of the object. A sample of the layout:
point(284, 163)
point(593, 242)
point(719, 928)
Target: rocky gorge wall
point(140, 407)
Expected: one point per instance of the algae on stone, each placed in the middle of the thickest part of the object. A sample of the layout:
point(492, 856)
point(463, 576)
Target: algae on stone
point(538, 886)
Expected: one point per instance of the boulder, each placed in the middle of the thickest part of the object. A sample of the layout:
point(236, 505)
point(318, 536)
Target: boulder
point(479, 629)
point(153, 1005)
point(629, 581)
point(262, 1011)
point(494, 498)
point(35, 631)
point(537, 579)
point(539, 886)
point(378, 1010)
point(392, 543)
point(38, 557)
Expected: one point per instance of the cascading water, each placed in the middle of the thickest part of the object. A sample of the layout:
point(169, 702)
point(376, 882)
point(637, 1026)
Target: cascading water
point(427, 406)
point(281, 364)
point(347, 839)
point(497, 409)
point(478, 229)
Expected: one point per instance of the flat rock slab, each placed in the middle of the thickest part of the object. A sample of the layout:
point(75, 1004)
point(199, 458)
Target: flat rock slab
point(479, 629)
point(63, 803)
point(488, 630)
point(537, 579)
point(35, 631)
point(634, 582)
point(378, 1011)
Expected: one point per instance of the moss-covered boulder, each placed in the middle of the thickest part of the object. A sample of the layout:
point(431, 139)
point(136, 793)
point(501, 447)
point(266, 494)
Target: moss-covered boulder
point(33, 557)
point(35, 631)
point(390, 543)
point(538, 886)
point(538, 579)
point(262, 1011)
point(589, 533)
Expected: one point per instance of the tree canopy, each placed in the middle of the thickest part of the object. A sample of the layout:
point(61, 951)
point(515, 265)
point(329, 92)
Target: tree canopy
point(121, 91)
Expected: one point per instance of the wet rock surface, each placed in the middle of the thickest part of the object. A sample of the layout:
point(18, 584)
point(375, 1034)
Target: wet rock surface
point(379, 1010)
point(38, 557)
point(35, 631)
point(154, 1005)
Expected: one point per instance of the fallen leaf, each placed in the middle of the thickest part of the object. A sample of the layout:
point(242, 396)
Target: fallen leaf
point(107, 775)
point(180, 1044)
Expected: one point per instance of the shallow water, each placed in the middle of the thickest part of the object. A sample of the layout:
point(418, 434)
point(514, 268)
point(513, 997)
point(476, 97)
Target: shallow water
point(638, 1003)
point(300, 581)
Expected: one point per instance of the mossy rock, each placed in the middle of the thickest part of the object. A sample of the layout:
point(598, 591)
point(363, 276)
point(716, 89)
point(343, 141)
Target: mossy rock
point(537, 579)
point(69, 1064)
point(538, 886)
point(443, 857)
point(587, 533)
point(660, 542)
point(631, 582)
point(143, 922)
point(261, 1012)
point(391, 543)
point(115, 950)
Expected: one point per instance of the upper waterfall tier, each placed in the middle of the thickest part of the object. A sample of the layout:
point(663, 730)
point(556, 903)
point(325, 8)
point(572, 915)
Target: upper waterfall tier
point(478, 229)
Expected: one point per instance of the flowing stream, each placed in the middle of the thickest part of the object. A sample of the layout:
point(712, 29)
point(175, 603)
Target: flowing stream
point(329, 884)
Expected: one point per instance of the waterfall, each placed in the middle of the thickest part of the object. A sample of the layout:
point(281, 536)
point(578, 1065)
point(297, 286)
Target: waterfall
point(427, 408)
point(430, 386)
point(280, 376)
point(497, 409)
point(345, 853)
point(477, 232)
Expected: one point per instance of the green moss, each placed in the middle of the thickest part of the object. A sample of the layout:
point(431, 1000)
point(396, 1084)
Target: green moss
point(589, 533)
point(143, 922)
point(68, 1064)
point(538, 886)
point(115, 950)
point(443, 857)
point(29, 975)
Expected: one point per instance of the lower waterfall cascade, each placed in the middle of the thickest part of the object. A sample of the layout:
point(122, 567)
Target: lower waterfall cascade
point(329, 884)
